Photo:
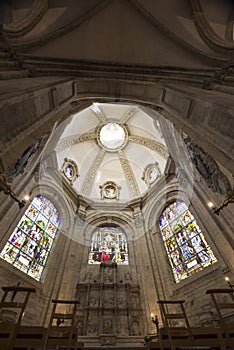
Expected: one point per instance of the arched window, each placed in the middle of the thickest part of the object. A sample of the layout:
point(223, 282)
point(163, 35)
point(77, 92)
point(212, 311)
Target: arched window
point(186, 247)
point(108, 244)
point(29, 245)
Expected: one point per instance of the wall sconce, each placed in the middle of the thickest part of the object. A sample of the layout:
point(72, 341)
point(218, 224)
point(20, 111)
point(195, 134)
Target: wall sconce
point(154, 319)
point(228, 281)
point(7, 190)
point(228, 200)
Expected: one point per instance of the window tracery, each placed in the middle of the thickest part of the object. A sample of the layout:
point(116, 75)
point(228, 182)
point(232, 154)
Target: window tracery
point(185, 244)
point(30, 244)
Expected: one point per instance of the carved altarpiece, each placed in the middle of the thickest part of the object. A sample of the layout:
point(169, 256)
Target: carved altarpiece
point(110, 304)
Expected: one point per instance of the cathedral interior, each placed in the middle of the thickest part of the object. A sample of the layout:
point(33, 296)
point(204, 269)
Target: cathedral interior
point(116, 174)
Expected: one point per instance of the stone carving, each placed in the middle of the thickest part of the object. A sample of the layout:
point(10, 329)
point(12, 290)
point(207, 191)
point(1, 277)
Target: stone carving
point(129, 114)
point(120, 302)
point(107, 340)
point(79, 327)
point(128, 277)
point(92, 329)
point(20, 165)
point(92, 301)
point(151, 144)
point(98, 112)
point(74, 139)
point(135, 328)
point(110, 308)
point(107, 326)
point(122, 326)
point(139, 220)
point(127, 169)
point(208, 168)
point(88, 277)
point(133, 301)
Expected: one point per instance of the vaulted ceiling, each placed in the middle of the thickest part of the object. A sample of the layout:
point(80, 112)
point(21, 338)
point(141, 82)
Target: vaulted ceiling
point(100, 159)
point(178, 33)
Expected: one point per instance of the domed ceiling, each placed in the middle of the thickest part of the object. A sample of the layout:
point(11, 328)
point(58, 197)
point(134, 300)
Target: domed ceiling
point(117, 150)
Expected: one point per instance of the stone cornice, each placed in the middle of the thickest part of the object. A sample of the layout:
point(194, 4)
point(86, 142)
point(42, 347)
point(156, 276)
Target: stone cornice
point(38, 66)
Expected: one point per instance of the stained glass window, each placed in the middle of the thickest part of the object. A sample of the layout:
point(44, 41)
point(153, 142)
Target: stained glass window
point(109, 190)
point(29, 245)
point(70, 170)
point(186, 246)
point(151, 173)
point(108, 244)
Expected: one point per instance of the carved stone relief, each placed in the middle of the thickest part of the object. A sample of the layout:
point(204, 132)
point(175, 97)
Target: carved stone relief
point(208, 168)
point(20, 166)
point(122, 325)
point(129, 114)
point(107, 340)
point(151, 144)
point(128, 172)
point(110, 304)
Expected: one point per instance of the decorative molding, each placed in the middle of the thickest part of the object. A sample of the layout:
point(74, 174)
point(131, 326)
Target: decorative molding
point(109, 339)
point(74, 139)
point(44, 39)
point(90, 176)
point(131, 180)
point(98, 112)
point(206, 32)
point(151, 144)
point(129, 114)
point(23, 26)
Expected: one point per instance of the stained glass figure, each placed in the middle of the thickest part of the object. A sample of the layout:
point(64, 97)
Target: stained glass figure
point(186, 246)
point(108, 244)
point(109, 190)
point(70, 170)
point(30, 244)
point(151, 173)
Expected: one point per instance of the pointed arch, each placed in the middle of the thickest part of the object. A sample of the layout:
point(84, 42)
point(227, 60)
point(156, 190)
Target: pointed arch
point(187, 249)
point(29, 246)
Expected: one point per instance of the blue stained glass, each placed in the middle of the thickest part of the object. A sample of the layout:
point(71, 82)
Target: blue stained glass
point(29, 245)
point(186, 246)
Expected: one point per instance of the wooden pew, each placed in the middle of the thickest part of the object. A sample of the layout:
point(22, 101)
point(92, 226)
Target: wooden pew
point(202, 338)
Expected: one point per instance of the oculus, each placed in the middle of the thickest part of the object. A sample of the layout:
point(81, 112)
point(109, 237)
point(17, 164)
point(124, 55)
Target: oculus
point(112, 136)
